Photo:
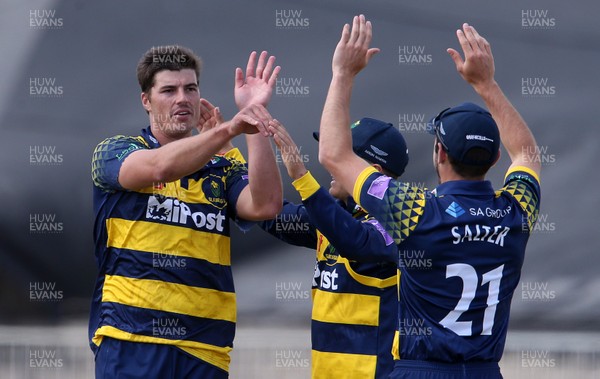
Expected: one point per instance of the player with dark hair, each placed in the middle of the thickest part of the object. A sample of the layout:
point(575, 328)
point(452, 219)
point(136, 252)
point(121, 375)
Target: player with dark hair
point(164, 302)
point(473, 237)
point(354, 303)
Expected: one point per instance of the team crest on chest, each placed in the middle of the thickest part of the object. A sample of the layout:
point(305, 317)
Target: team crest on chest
point(213, 188)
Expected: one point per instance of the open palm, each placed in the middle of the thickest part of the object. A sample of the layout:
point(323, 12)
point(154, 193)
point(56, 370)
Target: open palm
point(257, 85)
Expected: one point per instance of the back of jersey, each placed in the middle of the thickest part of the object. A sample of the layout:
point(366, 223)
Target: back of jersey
point(462, 263)
point(461, 249)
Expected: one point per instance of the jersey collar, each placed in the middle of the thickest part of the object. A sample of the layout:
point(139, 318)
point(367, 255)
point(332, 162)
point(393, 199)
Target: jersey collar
point(465, 187)
point(150, 139)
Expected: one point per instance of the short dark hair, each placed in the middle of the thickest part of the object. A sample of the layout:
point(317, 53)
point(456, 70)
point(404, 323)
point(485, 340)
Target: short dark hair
point(169, 57)
point(469, 171)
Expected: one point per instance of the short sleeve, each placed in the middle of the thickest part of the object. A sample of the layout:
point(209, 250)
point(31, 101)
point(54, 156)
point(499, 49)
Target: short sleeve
point(108, 157)
point(524, 185)
point(396, 205)
point(236, 179)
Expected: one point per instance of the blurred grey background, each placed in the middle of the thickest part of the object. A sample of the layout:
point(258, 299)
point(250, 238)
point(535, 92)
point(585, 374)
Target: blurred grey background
point(67, 73)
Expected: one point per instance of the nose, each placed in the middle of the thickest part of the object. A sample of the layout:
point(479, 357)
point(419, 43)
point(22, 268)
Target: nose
point(181, 96)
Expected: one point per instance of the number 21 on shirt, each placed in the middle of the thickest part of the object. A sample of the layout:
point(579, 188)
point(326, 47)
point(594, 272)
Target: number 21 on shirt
point(470, 281)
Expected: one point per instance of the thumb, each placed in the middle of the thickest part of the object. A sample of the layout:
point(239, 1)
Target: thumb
point(372, 51)
point(458, 61)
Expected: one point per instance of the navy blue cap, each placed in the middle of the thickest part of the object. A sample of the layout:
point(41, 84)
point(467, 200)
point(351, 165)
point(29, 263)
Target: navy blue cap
point(379, 142)
point(464, 127)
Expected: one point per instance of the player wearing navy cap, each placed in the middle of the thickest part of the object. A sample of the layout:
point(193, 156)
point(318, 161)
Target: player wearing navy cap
point(461, 245)
point(354, 303)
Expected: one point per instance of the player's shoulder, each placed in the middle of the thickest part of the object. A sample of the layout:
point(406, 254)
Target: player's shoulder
point(121, 142)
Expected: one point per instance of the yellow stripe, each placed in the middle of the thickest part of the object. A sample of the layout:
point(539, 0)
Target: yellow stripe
point(346, 308)
point(396, 346)
point(306, 185)
point(167, 239)
point(169, 297)
point(338, 365)
point(236, 154)
point(360, 181)
point(215, 355)
point(524, 169)
point(368, 280)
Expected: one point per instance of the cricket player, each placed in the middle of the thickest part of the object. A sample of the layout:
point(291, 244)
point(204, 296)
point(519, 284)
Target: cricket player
point(164, 303)
point(472, 236)
point(354, 303)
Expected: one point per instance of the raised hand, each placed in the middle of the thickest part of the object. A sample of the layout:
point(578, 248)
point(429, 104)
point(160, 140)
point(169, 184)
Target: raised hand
point(352, 52)
point(290, 154)
point(210, 116)
point(257, 85)
point(477, 68)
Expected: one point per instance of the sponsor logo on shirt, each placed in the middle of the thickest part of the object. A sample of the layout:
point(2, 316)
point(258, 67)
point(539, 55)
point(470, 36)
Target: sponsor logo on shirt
point(175, 211)
point(455, 210)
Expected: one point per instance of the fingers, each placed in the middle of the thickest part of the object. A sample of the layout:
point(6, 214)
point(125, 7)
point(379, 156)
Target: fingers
point(354, 34)
point(363, 32)
point(217, 115)
point(280, 133)
point(261, 117)
point(345, 35)
point(266, 72)
point(464, 43)
point(251, 64)
point(273, 79)
point(261, 64)
point(458, 61)
point(239, 78)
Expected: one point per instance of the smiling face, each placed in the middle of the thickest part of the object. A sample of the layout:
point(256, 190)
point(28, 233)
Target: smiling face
point(173, 104)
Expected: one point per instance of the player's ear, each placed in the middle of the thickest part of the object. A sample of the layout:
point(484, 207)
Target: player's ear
point(377, 167)
point(146, 101)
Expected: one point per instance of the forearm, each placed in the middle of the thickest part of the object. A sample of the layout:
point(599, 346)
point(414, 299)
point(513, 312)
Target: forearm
point(172, 161)
point(335, 140)
point(264, 180)
point(292, 226)
point(515, 135)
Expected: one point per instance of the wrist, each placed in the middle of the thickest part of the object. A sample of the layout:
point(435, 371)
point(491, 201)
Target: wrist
point(299, 172)
point(483, 89)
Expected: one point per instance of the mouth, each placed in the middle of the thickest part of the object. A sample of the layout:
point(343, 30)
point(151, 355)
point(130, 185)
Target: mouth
point(182, 113)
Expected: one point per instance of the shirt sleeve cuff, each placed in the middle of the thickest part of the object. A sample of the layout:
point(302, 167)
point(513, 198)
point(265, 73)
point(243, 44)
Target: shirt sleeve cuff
point(306, 185)
point(360, 181)
point(524, 169)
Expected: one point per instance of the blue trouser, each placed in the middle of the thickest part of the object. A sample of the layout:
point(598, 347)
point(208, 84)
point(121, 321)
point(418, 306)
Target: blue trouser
point(116, 359)
point(407, 369)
